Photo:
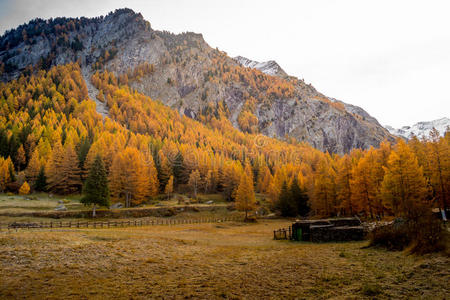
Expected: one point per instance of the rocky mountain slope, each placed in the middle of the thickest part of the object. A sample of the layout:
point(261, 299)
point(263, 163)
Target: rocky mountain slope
point(421, 128)
point(185, 73)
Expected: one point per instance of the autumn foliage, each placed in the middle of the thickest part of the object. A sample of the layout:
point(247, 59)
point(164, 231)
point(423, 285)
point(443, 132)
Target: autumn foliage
point(51, 133)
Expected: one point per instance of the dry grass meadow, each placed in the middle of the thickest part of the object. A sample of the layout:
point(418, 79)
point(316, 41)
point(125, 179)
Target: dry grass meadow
point(207, 261)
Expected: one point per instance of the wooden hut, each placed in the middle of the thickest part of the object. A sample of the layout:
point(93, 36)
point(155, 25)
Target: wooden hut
point(328, 230)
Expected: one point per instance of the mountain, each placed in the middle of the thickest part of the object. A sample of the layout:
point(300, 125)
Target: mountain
point(268, 67)
point(421, 128)
point(186, 74)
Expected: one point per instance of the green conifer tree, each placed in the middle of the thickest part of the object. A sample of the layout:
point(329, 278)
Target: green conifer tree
point(286, 203)
point(300, 198)
point(96, 189)
point(41, 181)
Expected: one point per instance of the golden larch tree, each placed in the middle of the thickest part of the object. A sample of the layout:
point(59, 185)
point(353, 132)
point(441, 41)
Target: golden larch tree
point(404, 188)
point(6, 167)
point(365, 184)
point(129, 177)
point(245, 195)
point(439, 169)
point(194, 182)
point(343, 188)
point(24, 189)
point(34, 166)
point(168, 190)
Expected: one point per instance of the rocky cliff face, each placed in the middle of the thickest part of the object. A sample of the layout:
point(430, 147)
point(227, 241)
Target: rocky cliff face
point(193, 78)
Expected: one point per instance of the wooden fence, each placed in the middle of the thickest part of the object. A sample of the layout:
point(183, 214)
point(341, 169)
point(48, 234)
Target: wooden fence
point(283, 234)
point(115, 224)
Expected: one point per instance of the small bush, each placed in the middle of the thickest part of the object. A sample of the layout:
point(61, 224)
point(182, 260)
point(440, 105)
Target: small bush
point(370, 289)
point(392, 237)
point(429, 237)
point(420, 236)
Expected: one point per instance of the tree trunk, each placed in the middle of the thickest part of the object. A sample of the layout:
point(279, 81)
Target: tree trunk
point(93, 211)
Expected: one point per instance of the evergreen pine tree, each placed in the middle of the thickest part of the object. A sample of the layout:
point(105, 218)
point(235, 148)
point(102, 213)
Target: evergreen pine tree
point(299, 198)
point(82, 152)
point(41, 181)
point(286, 202)
point(96, 189)
point(179, 170)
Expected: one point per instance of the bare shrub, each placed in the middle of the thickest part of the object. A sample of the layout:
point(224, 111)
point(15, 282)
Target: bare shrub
point(421, 235)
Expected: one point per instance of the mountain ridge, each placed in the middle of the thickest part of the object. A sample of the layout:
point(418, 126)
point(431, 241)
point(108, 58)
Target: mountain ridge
point(192, 78)
point(269, 67)
point(421, 129)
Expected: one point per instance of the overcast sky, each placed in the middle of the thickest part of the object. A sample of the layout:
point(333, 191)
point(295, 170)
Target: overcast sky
point(390, 57)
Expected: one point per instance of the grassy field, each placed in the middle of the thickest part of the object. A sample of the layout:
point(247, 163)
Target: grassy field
point(228, 260)
point(40, 208)
point(36, 202)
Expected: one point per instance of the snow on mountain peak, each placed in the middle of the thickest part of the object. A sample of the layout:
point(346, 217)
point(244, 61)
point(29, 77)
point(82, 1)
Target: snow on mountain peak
point(268, 67)
point(421, 128)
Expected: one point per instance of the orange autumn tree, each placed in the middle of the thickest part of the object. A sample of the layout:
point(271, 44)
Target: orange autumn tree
point(404, 188)
point(130, 178)
point(24, 189)
point(20, 158)
point(438, 150)
point(33, 168)
point(63, 173)
point(168, 190)
point(194, 182)
point(343, 185)
point(6, 167)
point(365, 184)
point(245, 195)
point(325, 203)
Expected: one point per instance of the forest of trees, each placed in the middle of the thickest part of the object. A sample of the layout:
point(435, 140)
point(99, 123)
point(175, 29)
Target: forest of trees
point(51, 135)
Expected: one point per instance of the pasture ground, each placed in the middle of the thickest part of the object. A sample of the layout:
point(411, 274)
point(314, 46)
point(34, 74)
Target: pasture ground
point(226, 260)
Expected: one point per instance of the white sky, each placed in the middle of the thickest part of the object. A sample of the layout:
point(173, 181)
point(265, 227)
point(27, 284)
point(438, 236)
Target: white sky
point(390, 57)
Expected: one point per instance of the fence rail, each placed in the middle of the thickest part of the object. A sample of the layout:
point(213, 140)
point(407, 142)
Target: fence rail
point(115, 224)
point(283, 234)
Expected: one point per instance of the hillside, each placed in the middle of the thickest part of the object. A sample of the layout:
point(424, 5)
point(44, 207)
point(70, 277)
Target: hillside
point(190, 77)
